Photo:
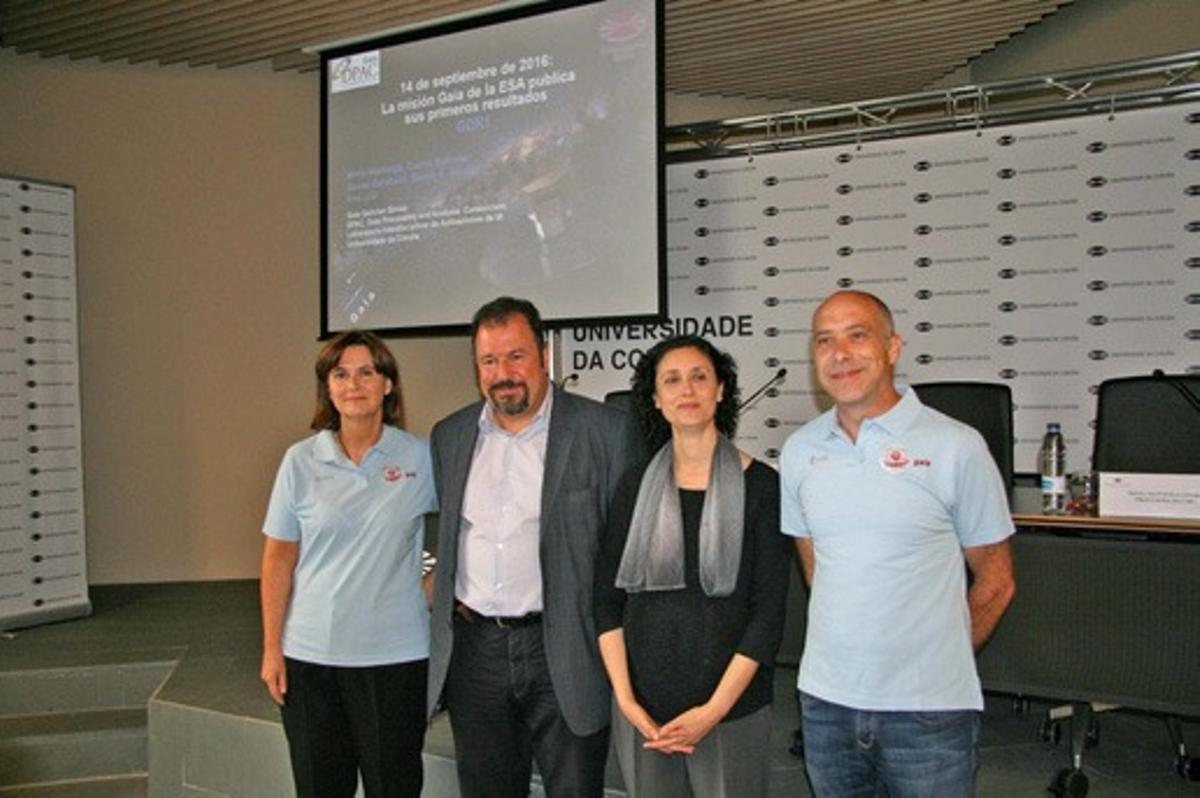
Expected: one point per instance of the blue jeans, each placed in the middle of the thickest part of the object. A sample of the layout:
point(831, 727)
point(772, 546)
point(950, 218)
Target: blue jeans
point(850, 752)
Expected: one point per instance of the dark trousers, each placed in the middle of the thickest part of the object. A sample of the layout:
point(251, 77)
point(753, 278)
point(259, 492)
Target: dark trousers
point(504, 714)
point(341, 722)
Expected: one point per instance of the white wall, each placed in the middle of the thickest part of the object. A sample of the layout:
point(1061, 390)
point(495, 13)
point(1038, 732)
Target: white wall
point(198, 251)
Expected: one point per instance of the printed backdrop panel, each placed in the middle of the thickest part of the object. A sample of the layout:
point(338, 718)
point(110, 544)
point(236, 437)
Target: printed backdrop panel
point(43, 563)
point(1047, 256)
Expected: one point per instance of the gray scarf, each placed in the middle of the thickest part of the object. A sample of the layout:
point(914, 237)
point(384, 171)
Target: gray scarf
point(653, 557)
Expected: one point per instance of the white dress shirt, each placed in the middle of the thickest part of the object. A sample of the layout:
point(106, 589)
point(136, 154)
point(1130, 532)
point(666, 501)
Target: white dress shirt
point(499, 568)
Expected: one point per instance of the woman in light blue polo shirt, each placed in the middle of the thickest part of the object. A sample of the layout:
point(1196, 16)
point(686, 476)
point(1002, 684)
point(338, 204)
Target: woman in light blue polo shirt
point(345, 624)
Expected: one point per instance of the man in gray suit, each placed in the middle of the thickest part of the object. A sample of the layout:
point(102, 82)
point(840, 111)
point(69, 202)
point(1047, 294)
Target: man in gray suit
point(524, 479)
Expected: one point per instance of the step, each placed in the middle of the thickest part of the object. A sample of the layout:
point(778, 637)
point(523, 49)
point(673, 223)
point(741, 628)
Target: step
point(136, 786)
point(64, 746)
point(80, 687)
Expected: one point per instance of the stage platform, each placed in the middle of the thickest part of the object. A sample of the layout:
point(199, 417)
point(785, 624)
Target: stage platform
point(190, 651)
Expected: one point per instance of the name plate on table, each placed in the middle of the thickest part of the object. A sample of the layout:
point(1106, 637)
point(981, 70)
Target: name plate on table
point(1154, 495)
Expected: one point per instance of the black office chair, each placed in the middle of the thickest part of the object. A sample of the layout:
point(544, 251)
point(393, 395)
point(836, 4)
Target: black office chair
point(622, 400)
point(986, 406)
point(1148, 424)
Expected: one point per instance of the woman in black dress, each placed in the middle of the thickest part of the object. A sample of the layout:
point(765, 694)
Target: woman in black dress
point(691, 586)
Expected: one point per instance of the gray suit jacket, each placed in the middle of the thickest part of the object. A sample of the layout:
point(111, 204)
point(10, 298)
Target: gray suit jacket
point(588, 448)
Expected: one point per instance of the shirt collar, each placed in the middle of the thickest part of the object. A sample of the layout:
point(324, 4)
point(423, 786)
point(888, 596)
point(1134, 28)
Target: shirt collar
point(901, 415)
point(327, 449)
point(539, 424)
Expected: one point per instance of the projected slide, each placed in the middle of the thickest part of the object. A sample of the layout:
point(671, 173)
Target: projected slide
point(517, 158)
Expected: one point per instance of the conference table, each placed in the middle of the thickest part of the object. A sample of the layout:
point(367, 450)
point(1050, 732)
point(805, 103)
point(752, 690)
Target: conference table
point(1107, 610)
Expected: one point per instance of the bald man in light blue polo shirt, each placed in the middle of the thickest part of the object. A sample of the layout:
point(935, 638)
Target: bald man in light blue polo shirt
point(886, 498)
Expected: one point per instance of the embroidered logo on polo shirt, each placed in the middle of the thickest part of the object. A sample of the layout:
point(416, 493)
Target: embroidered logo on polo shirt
point(396, 473)
point(894, 459)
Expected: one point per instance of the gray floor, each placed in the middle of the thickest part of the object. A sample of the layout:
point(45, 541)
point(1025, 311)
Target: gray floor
point(213, 630)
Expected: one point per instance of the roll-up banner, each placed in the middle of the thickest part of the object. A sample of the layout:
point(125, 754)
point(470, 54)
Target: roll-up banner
point(43, 563)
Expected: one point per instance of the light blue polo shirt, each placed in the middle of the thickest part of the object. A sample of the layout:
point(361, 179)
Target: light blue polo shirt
point(356, 592)
point(889, 515)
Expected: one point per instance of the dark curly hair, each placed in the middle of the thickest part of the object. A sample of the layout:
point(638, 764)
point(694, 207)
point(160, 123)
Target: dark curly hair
point(654, 426)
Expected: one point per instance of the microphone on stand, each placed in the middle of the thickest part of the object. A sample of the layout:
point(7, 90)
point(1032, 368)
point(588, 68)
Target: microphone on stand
point(775, 380)
point(570, 379)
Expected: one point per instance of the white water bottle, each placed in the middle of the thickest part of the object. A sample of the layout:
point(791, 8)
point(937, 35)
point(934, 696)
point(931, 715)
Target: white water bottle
point(1053, 460)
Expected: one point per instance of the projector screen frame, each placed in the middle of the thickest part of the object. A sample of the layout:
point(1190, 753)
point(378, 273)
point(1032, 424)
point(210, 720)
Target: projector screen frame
point(478, 21)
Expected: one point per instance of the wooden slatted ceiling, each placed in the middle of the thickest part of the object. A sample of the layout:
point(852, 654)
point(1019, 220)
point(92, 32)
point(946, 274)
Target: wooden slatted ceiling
point(836, 50)
point(803, 51)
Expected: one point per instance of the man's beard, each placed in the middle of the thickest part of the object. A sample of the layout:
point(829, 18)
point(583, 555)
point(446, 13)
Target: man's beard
point(513, 407)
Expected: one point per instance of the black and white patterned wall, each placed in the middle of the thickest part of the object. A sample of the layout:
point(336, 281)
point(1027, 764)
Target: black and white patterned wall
point(43, 565)
point(1048, 256)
